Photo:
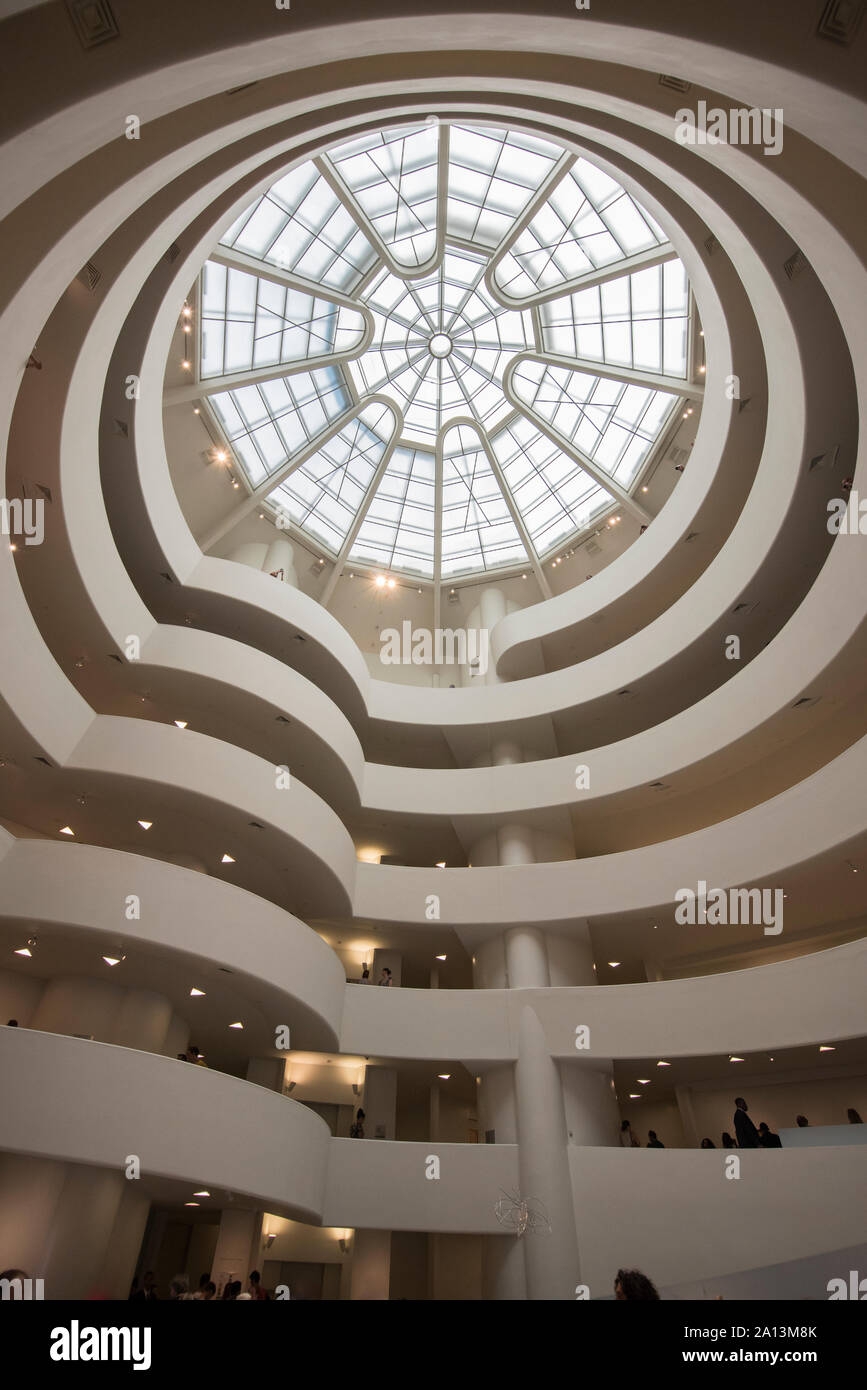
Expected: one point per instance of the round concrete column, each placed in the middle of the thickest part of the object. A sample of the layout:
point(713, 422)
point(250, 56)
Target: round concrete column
point(76, 1005)
point(551, 1260)
point(281, 557)
point(143, 1020)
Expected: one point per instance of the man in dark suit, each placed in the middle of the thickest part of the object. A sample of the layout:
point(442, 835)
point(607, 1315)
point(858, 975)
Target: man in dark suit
point(745, 1131)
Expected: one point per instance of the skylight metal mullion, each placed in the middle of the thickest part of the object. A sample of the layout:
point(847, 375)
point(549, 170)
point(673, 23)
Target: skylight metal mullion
point(577, 456)
point(514, 510)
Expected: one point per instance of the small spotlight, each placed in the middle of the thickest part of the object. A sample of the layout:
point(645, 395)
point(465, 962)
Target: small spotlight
point(180, 723)
point(236, 1025)
point(390, 583)
point(186, 365)
point(440, 957)
point(112, 960)
point(444, 1076)
point(67, 830)
point(227, 859)
point(23, 951)
point(145, 824)
point(379, 581)
point(196, 993)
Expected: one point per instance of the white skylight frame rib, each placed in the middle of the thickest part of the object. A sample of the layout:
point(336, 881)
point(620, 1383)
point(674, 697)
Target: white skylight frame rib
point(250, 325)
point(393, 183)
point(488, 187)
point(555, 495)
point(606, 426)
point(398, 529)
point(588, 223)
point(478, 530)
point(268, 422)
point(326, 493)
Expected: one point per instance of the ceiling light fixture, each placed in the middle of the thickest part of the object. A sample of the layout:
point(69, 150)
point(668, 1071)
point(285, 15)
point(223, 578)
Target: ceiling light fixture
point(180, 723)
point(145, 824)
point(825, 1047)
point(236, 1025)
point(112, 960)
point(439, 957)
point(67, 830)
point(23, 951)
point(444, 1076)
point(227, 859)
point(196, 993)
point(736, 1059)
point(663, 1064)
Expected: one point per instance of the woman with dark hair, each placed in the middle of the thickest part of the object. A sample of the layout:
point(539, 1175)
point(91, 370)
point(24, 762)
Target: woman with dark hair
point(631, 1286)
point(627, 1138)
point(727, 1140)
point(708, 1144)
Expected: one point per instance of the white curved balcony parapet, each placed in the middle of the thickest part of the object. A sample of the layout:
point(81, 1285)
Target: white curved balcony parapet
point(84, 888)
point(793, 1003)
point(86, 1102)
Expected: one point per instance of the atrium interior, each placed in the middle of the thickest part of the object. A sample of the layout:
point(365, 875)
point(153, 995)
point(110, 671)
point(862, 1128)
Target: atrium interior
point(433, 696)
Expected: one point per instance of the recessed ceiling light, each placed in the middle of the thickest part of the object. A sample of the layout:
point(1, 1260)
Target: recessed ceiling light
point(192, 1204)
point(663, 1064)
point(440, 957)
point(67, 830)
point(236, 1025)
point(186, 366)
point(633, 1095)
point(196, 410)
point(145, 824)
point(23, 951)
point(180, 723)
point(826, 1048)
point(221, 456)
point(444, 1076)
point(736, 1059)
point(379, 581)
point(390, 583)
point(644, 489)
point(227, 859)
point(201, 1194)
point(643, 1080)
point(112, 960)
point(441, 863)
point(196, 993)
point(614, 964)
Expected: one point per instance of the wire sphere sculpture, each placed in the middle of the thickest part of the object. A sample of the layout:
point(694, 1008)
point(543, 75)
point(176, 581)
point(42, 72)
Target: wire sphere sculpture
point(522, 1214)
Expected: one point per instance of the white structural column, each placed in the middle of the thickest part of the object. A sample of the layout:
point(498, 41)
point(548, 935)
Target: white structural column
point(550, 1258)
point(238, 1246)
point(276, 559)
point(109, 1013)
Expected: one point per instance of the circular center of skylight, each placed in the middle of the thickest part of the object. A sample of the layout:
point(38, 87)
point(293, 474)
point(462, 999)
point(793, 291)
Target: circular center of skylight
point(455, 357)
point(440, 345)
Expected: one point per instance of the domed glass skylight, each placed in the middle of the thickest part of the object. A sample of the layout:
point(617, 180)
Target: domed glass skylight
point(444, 349)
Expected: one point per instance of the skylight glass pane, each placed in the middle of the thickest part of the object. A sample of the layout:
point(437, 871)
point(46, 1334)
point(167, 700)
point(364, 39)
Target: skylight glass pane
point(300, 225)
point(325, 494)
point(249, 323)
point(493, 174)
point(268, 422)
point(398, 530)
point(638, 321)
point(478, 532)
point(553, 494)
point(588, 221)
point(600, 418)
point(392, 175)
